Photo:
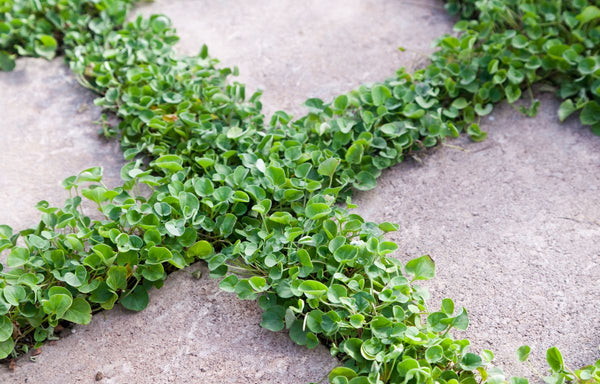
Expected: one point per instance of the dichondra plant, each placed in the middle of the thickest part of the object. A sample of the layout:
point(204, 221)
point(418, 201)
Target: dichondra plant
point(267, 204)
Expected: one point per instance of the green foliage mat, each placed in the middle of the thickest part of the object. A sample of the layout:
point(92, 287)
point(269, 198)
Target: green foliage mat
point(261, 203)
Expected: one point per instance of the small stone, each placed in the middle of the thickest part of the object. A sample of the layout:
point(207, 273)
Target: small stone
point(99, 376)
point(197, 274)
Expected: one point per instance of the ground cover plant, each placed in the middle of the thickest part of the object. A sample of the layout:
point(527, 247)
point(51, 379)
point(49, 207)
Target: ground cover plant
point(266, 204)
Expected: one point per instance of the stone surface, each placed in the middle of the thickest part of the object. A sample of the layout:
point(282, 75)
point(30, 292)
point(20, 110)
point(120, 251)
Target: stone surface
point(294, 50)
point(513, 223)
point(48, 134)
point(190, 333)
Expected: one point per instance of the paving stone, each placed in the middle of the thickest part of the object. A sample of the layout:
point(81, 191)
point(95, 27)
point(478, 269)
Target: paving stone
point(513, 223)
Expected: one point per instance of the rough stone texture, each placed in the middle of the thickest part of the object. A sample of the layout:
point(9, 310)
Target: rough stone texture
point(513, 223)
point(190, 333)
point(48, 134)
point(294, 50)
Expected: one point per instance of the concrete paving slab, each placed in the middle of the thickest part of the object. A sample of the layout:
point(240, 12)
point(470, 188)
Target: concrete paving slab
point(294, 50)
point(192, 333)
point(513, 224)
point(47, 133)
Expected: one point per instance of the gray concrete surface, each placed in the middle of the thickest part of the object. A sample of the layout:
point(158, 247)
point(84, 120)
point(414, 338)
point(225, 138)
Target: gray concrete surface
point(513, 224)
point(47, 133)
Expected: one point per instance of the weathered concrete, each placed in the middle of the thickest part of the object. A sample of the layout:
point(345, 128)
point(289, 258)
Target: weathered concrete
point(296, 50)
point(513, 224)
point(190, 333)
point(47, 134)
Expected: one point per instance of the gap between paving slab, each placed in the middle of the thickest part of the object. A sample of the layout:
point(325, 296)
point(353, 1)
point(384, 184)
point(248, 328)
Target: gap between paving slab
point(507, 267)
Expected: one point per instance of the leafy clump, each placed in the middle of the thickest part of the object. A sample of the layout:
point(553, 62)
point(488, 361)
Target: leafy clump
point(261, 203)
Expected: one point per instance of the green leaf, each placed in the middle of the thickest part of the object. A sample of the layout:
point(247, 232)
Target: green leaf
point(6, 348)
point(273, 318)
point(393, 129)
point(354, 154)
point(227, 224)
point(317, 211)
point(14, 294)
point(470, 362)
point(386, 247)
point(117, 278)
point(388, 227)
point(360, 380)
point(483, 111)
point(487, 355)
point(57, 305)
point(340, 102)
point(342, 371)
point(106, 253)
point(78, 278)
point(587, 66)
point(364, 181)
point(136, 300)
point(566, 109)
point(153, 272)
point(588, 14)
point(258, 284)
point(276, 175)
point(297, 333)
point(357, 320)
point(448, 306)
point(412, 111)
point(590, 114)
point(158, 255)
point(460, 321)
point(475, 133)
point(93, 174)
point(555, 359)
point(380, 93)
point(17, 257)
point(460, 103)
point(175, 227)
point(79, 312)
point(7, 61)
point(406, 365)
point(201, 250)
point(345, 253)
point(189, 204)
point(422, 268)
point(228, 284)
point(328, 167)
point(523, 352)
point(6, 328)
point(512, 92)
point(434, 354)
point(171, 163)
point(313, 289)
point(46, 46)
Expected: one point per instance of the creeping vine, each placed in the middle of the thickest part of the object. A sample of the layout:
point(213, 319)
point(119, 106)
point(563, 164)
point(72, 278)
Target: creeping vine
point(267, 204)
